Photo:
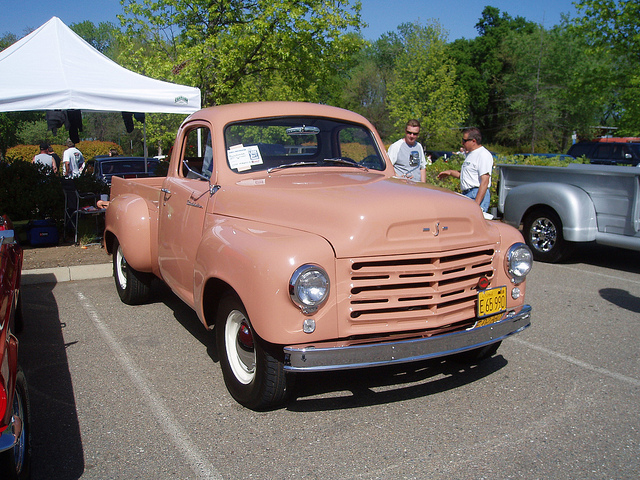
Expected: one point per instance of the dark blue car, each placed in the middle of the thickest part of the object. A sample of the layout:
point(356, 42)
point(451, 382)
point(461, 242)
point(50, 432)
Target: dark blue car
point(126, 167)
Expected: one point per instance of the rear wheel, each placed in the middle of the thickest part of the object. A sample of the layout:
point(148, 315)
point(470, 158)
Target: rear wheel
point(542, 229)
point(254, 377)
point(133, 287)
point(15, 463)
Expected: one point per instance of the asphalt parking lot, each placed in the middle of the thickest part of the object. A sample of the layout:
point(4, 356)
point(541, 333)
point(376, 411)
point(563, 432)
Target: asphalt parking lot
point(124, 392)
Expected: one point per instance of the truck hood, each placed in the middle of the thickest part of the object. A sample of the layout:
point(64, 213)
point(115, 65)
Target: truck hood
point(360, 214)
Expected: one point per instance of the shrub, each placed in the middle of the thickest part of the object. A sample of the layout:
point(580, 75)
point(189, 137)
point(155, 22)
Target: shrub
point(89, 149)
point(23, 152)
point(455, 162)
point(30, 191)
point(92, 148)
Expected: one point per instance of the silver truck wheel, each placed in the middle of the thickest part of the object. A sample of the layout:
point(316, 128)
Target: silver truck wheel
point(15, 463)
point(133, 287)
point(252, 375)
point(542, 230)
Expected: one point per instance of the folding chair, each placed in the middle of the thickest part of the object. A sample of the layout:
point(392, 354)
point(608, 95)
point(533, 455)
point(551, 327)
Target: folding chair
point(78, 205)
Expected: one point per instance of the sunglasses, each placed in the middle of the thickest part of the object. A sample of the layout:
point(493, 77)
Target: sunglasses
point(412, 133)
point(465, 140)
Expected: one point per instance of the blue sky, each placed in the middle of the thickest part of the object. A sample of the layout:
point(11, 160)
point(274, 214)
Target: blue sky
point(457, 17)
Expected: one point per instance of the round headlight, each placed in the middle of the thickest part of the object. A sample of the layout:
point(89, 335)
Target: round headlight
point(518, 262)
point(309, 287)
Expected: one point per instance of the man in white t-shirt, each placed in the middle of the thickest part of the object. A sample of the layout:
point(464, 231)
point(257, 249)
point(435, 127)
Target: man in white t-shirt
point(72, 160)
point(407, 155)
point(475, 173)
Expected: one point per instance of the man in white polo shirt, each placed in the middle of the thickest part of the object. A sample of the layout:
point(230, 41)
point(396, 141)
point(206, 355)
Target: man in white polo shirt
point(475, 173)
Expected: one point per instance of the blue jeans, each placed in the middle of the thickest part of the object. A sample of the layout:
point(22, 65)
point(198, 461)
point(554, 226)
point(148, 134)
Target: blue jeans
point(473, 192)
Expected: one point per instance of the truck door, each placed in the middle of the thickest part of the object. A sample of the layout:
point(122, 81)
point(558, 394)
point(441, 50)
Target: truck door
point(184, 202)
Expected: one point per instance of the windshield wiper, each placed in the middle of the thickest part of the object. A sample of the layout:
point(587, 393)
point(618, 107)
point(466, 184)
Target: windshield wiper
point(345, 161)
point(291, 165)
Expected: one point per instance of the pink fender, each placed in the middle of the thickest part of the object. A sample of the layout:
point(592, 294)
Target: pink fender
point(256, 261)
point(128, 219)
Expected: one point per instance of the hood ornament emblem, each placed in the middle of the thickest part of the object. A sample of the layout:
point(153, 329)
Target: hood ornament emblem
point(436, 231)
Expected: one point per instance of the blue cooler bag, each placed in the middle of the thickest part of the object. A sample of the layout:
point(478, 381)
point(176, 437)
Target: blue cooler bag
point(42, 232)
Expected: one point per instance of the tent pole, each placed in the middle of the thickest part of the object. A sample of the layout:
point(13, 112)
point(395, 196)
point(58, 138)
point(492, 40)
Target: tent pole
point(146, 153)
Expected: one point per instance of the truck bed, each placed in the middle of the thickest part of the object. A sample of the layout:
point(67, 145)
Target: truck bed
point(147, 188)
point(608, 195)
point(604, 181)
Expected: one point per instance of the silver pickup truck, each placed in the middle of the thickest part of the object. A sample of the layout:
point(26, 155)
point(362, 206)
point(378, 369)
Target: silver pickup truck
point(578, 203)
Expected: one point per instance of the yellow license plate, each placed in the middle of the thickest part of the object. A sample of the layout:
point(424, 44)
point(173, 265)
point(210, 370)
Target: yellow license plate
point(488, 320)
point(492, 301)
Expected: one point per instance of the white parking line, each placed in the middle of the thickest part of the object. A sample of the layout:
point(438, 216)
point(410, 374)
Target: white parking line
point(604, 275)
point(196, 459)
point(623, 378)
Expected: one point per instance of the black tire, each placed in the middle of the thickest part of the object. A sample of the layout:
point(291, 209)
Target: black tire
point(478, 354)
point(542, 230)
point(133, 287)
point(15, 464)
point(254, 377)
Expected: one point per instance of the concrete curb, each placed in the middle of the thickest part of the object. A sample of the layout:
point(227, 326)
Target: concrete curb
point(66, 274)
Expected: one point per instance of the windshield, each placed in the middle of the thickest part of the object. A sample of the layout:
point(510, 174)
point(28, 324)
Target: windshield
point(292, 142)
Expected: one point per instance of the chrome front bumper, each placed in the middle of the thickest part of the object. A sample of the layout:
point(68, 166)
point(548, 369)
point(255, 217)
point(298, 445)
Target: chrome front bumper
point(324, 357)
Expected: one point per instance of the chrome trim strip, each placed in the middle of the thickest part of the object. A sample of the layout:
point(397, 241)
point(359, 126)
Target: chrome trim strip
point(304, 358)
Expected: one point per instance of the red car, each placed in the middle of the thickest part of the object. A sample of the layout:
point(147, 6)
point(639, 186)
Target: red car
point(15, 443)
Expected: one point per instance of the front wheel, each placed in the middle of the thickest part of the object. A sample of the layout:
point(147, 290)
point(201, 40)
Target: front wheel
point(252, 375)
point(133, 287)
point(15, 463)
point(542, 229)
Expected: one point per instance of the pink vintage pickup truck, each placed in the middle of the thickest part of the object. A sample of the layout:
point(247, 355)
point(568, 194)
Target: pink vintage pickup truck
point(282, 225)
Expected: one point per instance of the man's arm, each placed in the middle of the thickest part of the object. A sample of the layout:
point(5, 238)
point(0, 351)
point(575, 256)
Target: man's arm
point(447, 173)
point(393, 153)
point(482, 189)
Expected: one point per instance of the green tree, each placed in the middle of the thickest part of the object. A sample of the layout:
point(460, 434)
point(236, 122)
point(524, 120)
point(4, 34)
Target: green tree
point(7, 40)
point(242, 50)
point(611, 24)
point(161, 132)
point(611, 29)
point(480, 69)
point(11, 124)
point(364, 89)
point(102, 37)
point(35, 131)
point(552, 87)
point(424, 87)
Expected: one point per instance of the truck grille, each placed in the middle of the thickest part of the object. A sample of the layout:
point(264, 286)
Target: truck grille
point(415, 292)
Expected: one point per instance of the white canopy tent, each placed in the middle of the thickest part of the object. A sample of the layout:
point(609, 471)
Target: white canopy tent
point(53, 68)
